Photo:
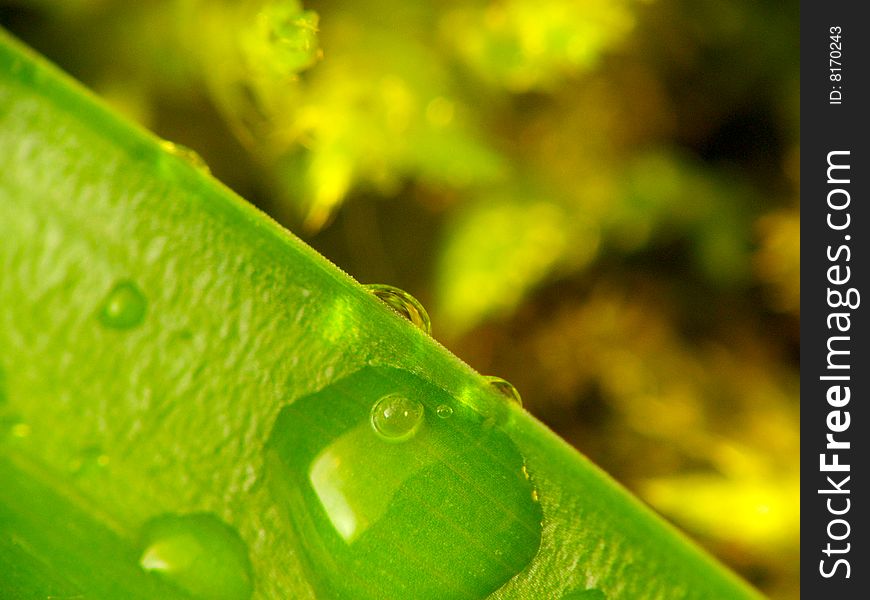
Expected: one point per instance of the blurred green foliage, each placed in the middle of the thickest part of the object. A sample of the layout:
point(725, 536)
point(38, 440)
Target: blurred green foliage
point(597, 200)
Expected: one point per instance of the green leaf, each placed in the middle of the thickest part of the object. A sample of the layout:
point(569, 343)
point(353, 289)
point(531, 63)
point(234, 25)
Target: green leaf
point(194, 404)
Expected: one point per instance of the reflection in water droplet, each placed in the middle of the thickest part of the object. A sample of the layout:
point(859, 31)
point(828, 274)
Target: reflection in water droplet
point(199, 554)
point(187, 154)
point(505, 388)
point(124, 306)
point(444, 411)
point(590, 594)
point(528, 477)
point(397, 417)
point(447, 514)
point(403, 303)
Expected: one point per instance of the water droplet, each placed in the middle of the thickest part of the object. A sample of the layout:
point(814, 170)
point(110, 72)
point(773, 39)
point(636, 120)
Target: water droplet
point(403, 303)
point(187, 154)
point(397, 417)
point(590, 594)
point(446, 514)
point(199, 554)
point(505, 388)
point(444, 411)
point(124, 306)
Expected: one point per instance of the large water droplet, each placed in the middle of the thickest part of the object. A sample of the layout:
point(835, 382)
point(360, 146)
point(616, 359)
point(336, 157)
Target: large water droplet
point(199, 554)
point(590, 594)
point(397, 417)
point(446, 514)
point(505, 388)
point(403, 303)
point(124, 306)
point(187, 154)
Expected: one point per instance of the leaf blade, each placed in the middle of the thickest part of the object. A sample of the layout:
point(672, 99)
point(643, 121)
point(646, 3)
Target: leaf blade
point(241, 319)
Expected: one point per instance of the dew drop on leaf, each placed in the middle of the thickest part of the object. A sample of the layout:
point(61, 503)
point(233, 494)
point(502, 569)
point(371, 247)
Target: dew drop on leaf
point(403, 303)
point(444, 411)
point(198, 553)
point(446, 514)
point(186, 154)
point(397, 417)
point(505, 388)
point(124, 306)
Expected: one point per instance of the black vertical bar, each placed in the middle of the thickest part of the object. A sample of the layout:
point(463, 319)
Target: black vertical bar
point(835, 370)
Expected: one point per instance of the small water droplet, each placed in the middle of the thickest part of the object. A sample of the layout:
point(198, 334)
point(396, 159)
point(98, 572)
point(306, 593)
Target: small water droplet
point(124, 306)
point(444, 411)
point(590, 594)
point(403, 303)
point(505, 388)
point(447, 514)
point(199, 554)
point(396, 417)
point(187, 154)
